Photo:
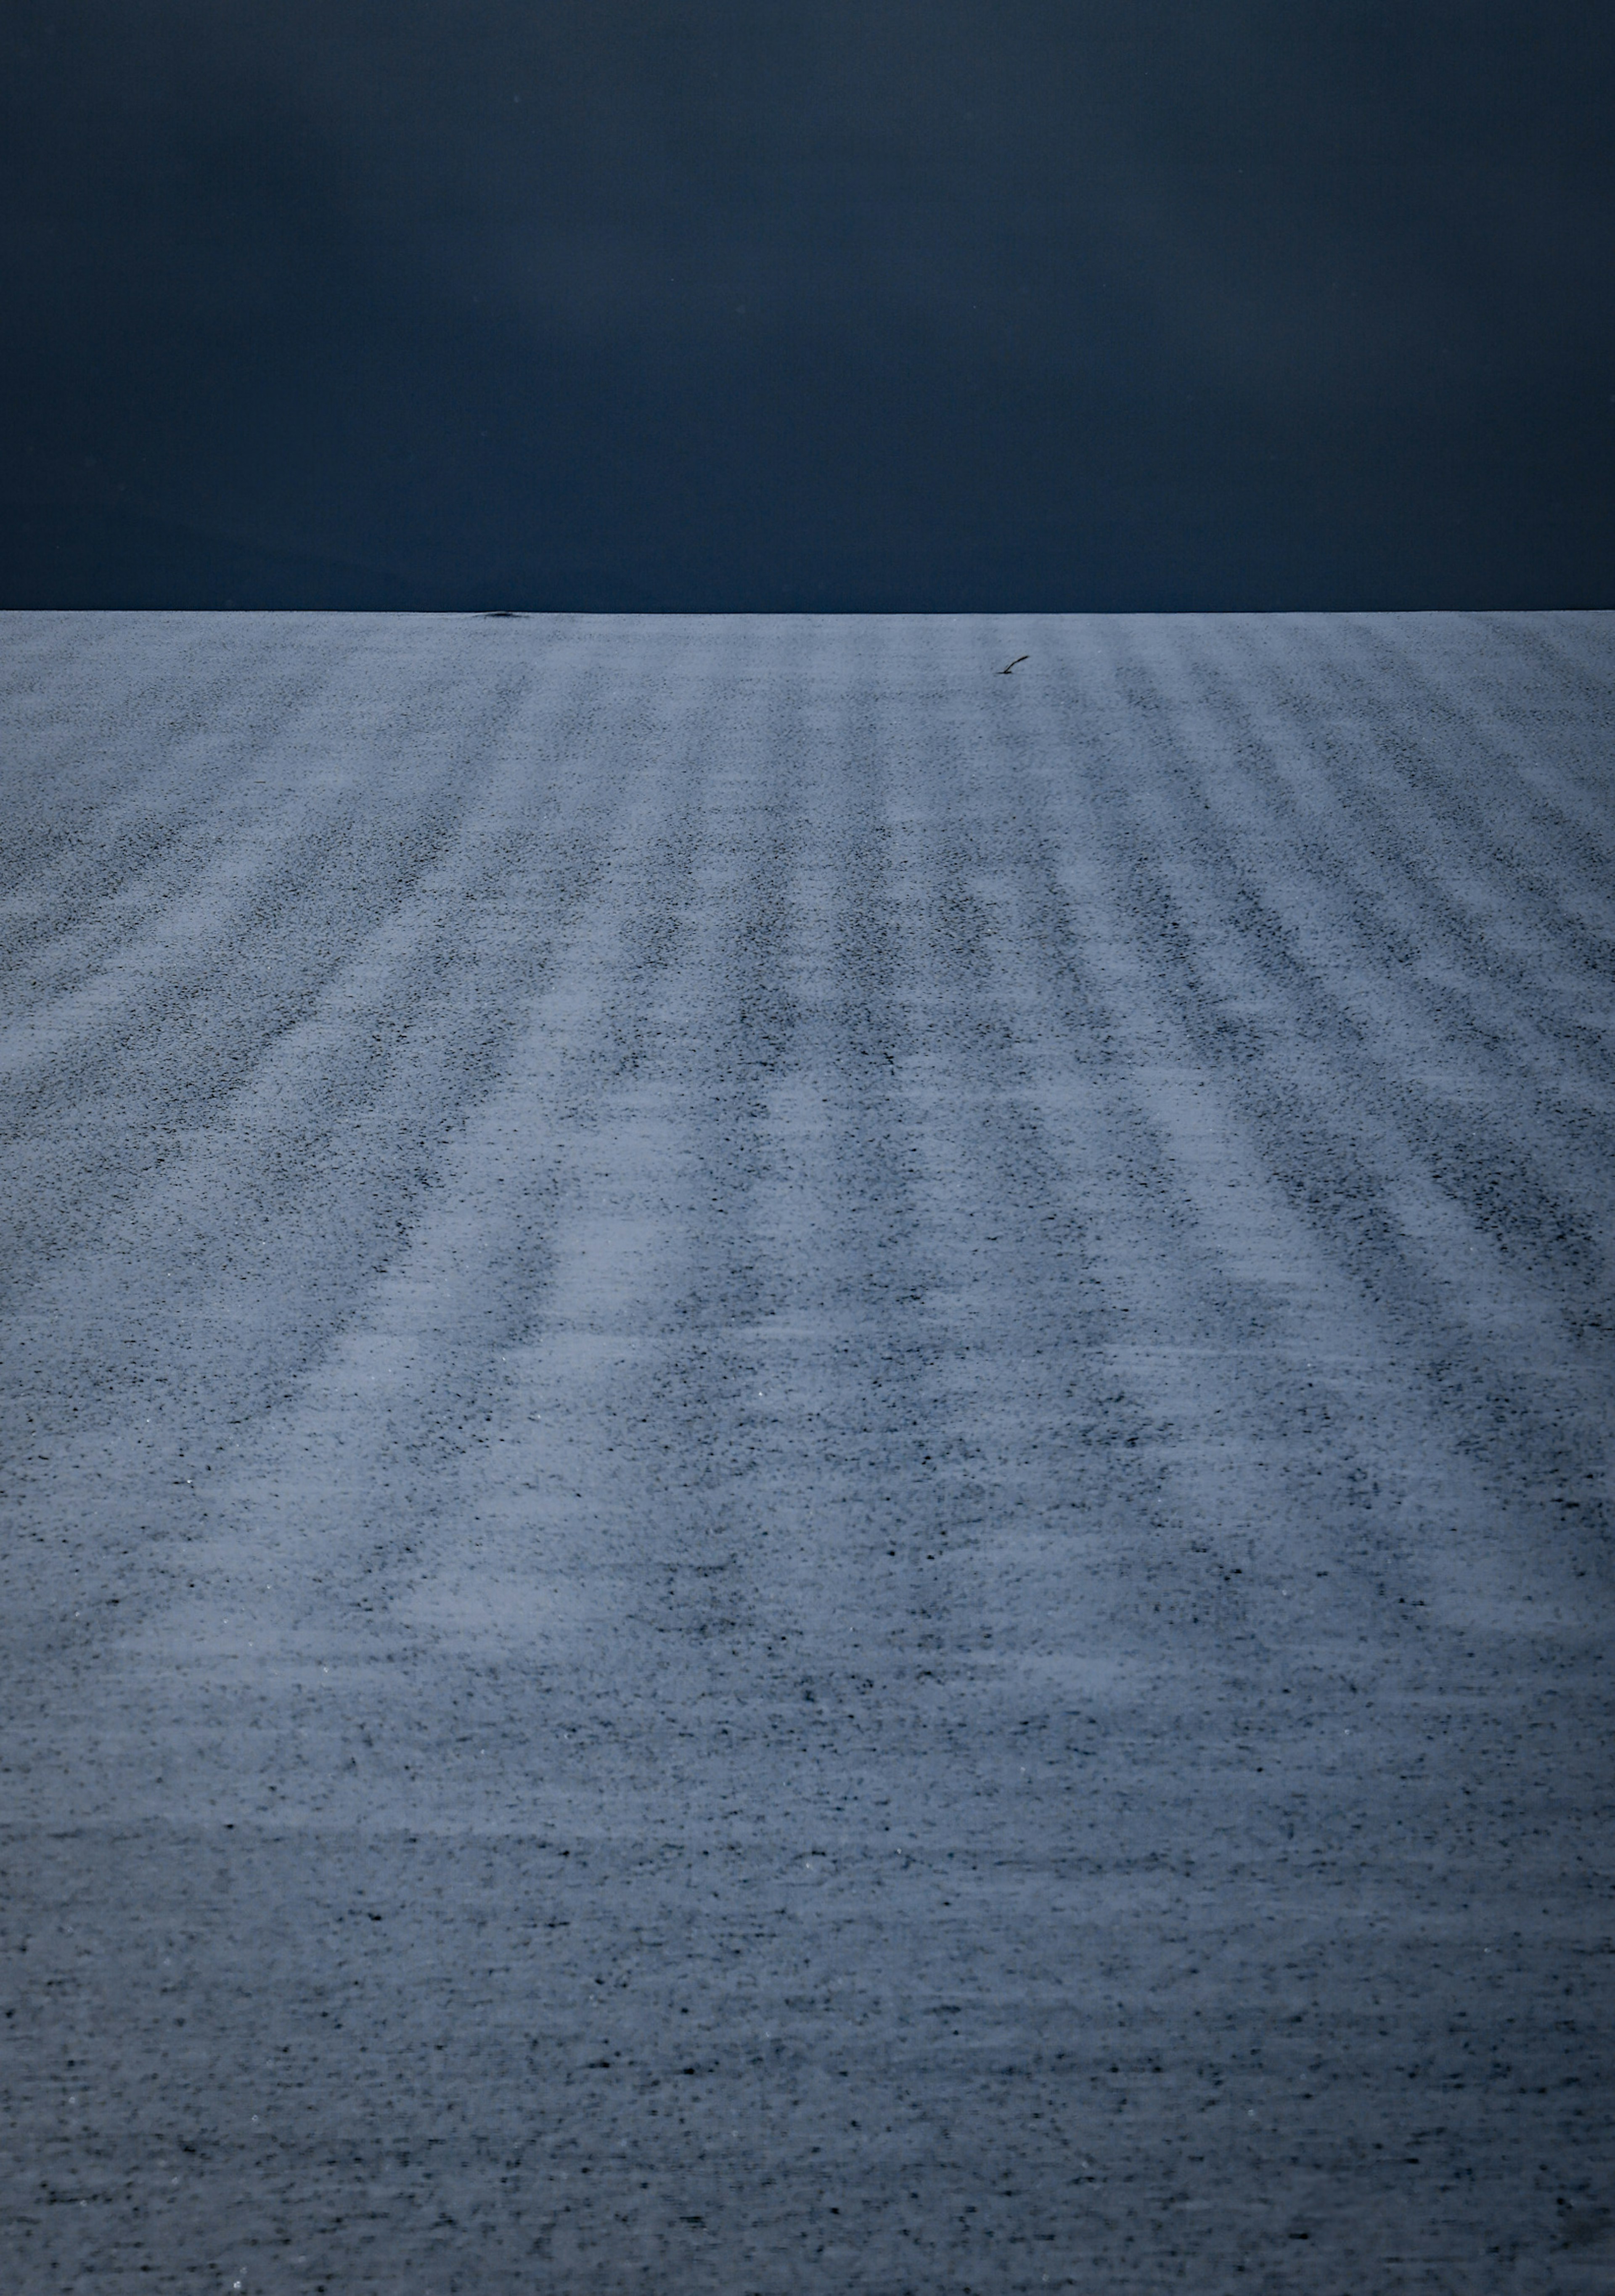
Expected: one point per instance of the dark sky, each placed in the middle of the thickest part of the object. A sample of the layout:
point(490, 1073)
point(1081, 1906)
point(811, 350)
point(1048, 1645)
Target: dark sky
point(790, 304)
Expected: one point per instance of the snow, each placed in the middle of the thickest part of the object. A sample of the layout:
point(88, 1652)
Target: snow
point(807, 1450)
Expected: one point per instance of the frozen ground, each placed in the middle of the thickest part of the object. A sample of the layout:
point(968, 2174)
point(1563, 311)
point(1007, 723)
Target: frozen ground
point(807, 1455)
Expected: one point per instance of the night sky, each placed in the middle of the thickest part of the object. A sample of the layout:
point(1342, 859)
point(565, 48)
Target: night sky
point(953, 304)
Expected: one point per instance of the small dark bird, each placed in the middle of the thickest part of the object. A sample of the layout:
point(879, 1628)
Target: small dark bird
point(1010, 665)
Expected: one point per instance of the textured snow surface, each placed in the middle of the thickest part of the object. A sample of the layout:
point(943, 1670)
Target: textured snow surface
point(806, 1454)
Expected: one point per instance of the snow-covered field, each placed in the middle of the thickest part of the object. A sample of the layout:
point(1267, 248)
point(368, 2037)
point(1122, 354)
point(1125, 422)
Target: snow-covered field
point(806, 1454)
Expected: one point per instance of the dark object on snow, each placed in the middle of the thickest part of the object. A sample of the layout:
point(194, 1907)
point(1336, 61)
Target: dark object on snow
point(502, 614)
point(1010, 665)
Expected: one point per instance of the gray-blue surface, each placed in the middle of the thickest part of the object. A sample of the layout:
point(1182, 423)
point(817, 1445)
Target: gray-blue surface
point(806, 1454)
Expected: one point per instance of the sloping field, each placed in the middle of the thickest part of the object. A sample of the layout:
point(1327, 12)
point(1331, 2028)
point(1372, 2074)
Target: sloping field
point(806, 1454)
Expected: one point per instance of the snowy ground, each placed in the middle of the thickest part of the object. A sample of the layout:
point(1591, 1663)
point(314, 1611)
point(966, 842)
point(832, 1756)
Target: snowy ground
point(807, 1455)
